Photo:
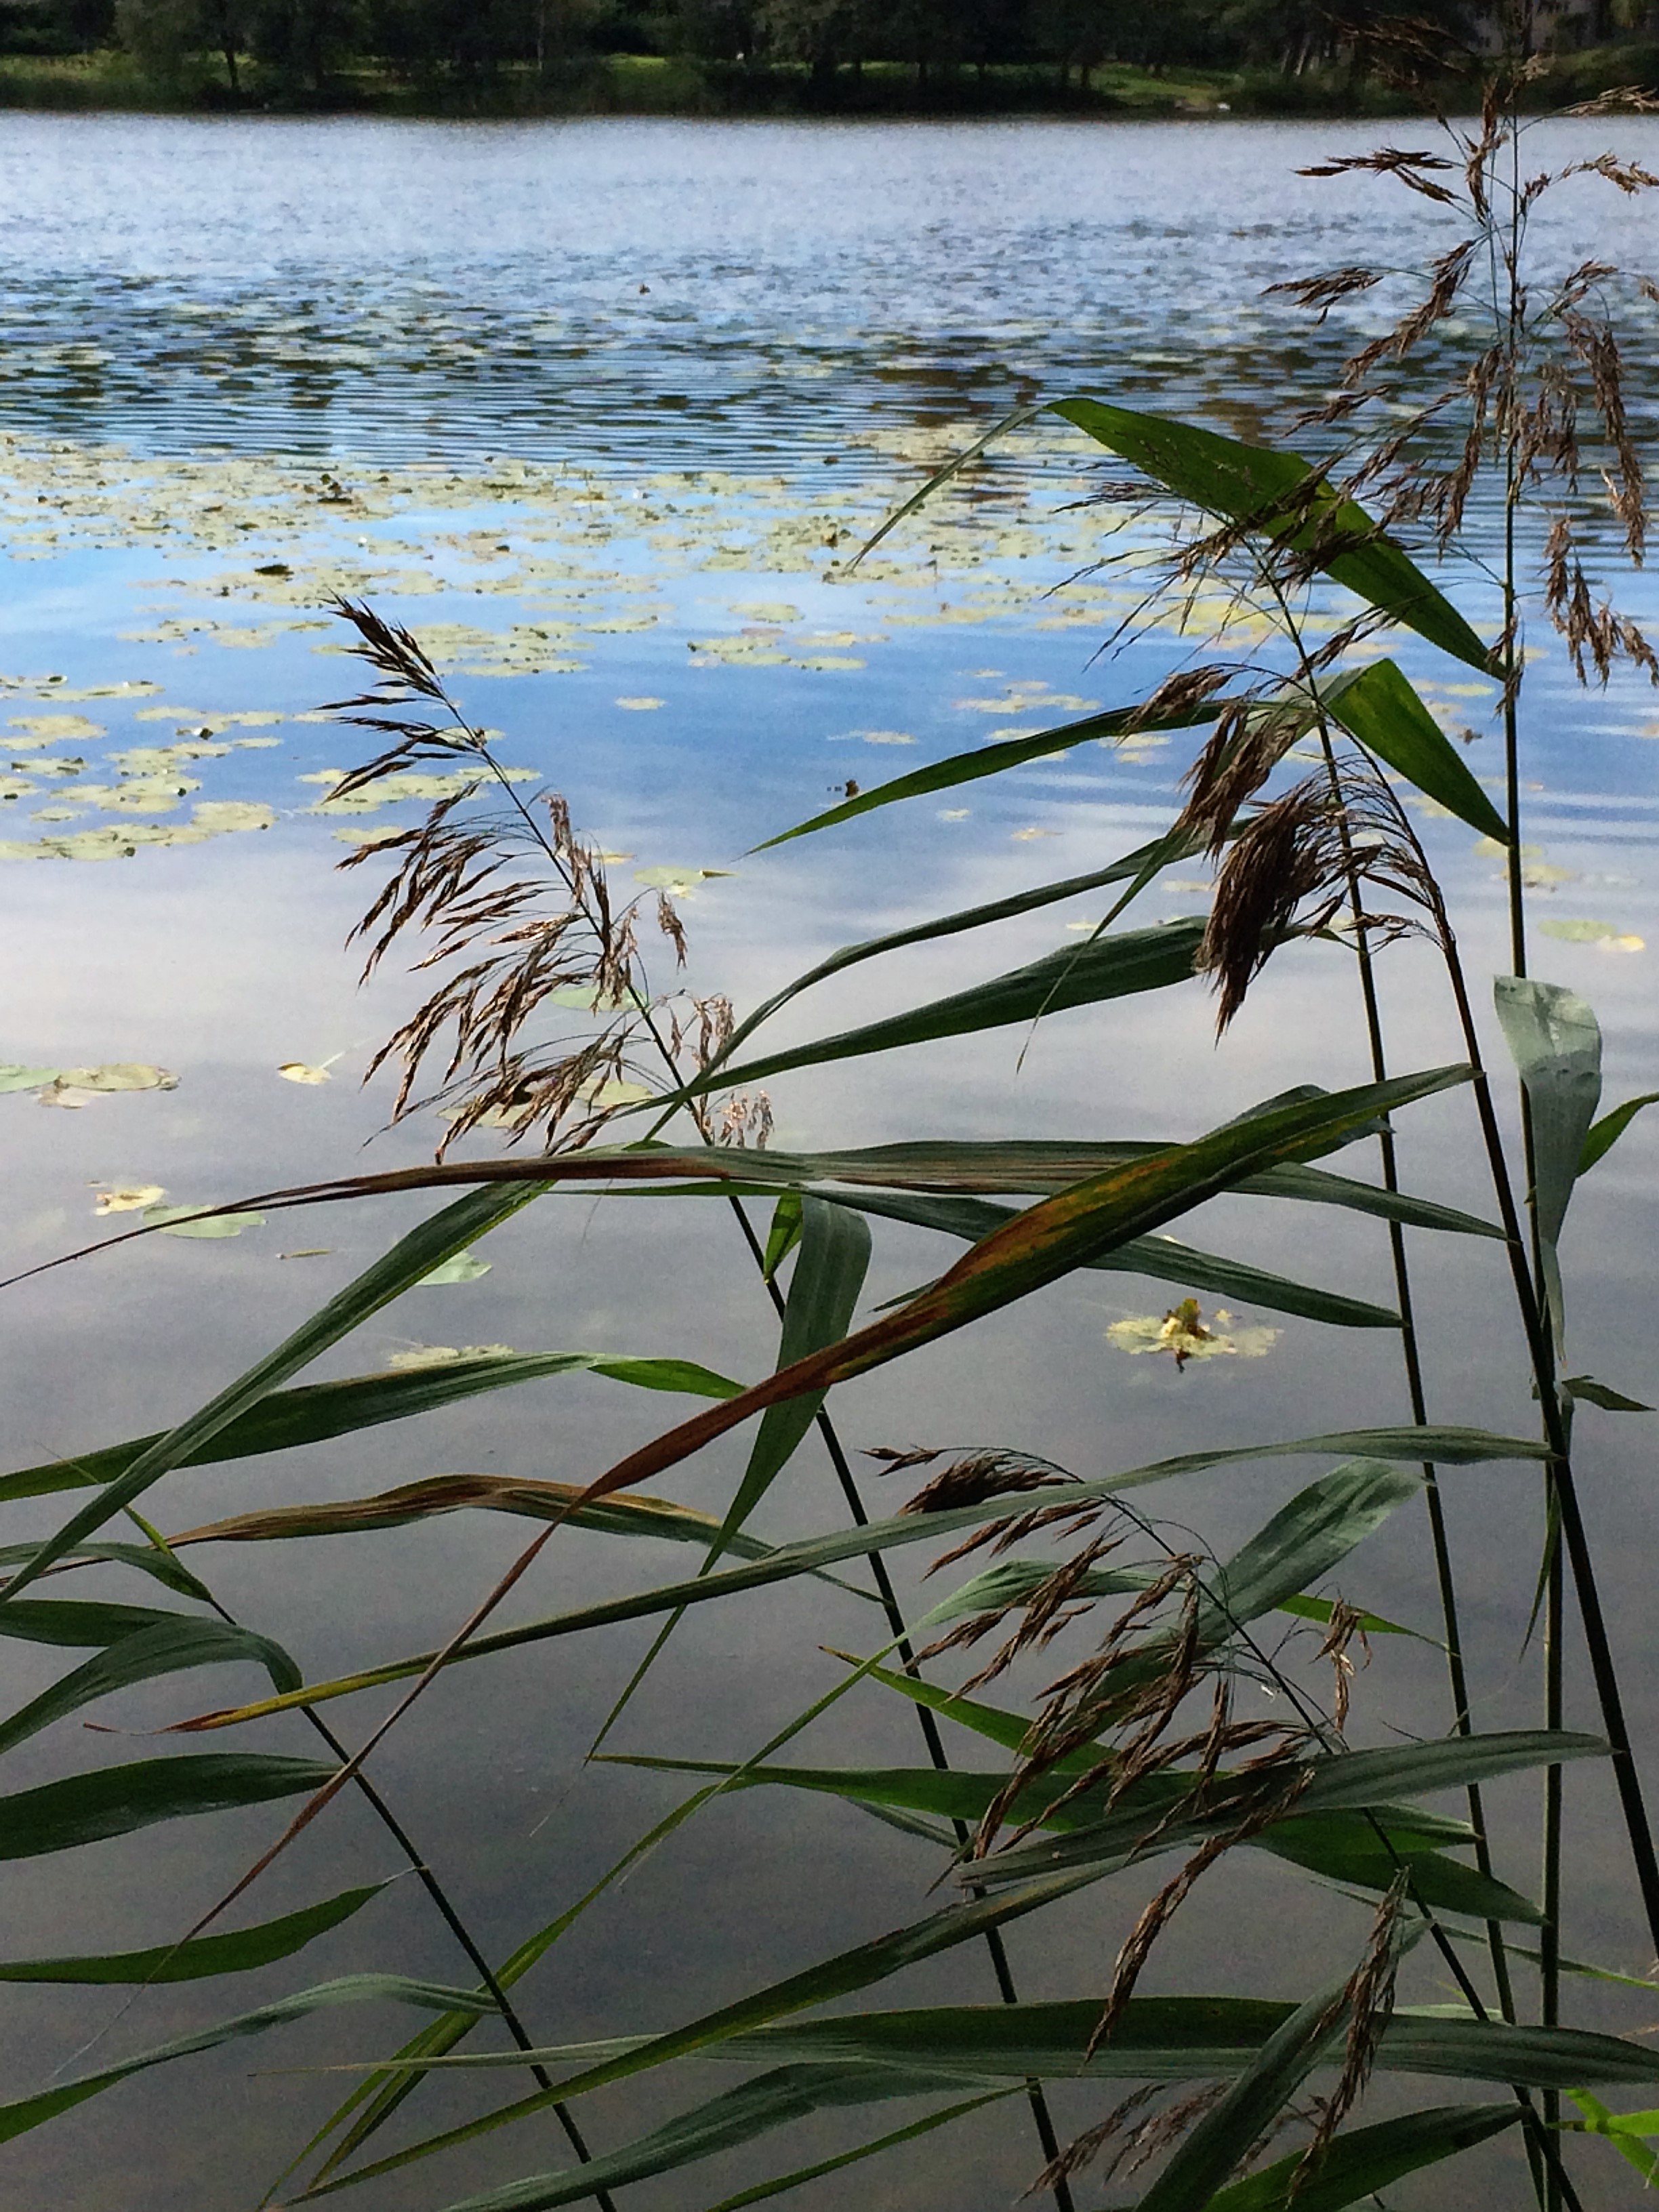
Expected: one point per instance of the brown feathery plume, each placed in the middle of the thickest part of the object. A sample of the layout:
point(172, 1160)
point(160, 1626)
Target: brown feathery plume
point(1161, 1910)
point(971, 1481)
point(1412, 169)
point(1346, 1627)
point(1319, 294)
point(1246, 745)
point(893, 1461)
point(520, 914)
point(1139, 2140)
point(1368, 2000)
point(1310, 845)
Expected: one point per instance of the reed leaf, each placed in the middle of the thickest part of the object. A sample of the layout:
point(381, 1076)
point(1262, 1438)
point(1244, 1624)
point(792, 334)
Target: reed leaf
point(1381, 709)
point(170, 1647)
point(996, 759)
point(1604, 1135)
point(1279, 495)
point(203, 1956)
point(87, 1808)
point(1160, 1257)
point(317, 1412)
point(409, 1261)
point(1446, 1446)
point(27, 2112)
point(1365, 2161)
point(1114, 967)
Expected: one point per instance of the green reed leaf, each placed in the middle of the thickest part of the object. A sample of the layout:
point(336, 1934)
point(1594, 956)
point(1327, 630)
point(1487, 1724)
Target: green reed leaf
point(149, 1559)
point(1604, 1135)
point(17, 2119)
point(87, 1807)
point(737, 2115)
point(1113, 967)
point(203, 1956)
point(169, 1647)
point(78, 1622)
point(1161, 1257)
point(1380, 708)
point(411, 1259)
point(713, 2032)
point(1179, 2038)
point(1367, 2159)
point(1350, 1782)
point(1625, 2131)
point(318, 1411)
point(779, 2184)
point(1447, 1446)
point(1265, 489)
point(1555, 1042)
point(996, 759)
point(1212, 2150)
point(824, 1289)
point(627, 1515)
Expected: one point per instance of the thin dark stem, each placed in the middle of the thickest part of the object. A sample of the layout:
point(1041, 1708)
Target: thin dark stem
point(451, 1918)
point(1512, 331)
point(1445, 1577)
point(1042, 2119)
point(1604, 1673)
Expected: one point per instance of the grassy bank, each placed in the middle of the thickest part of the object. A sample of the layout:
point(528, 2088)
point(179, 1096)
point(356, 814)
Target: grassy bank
point(648, 84)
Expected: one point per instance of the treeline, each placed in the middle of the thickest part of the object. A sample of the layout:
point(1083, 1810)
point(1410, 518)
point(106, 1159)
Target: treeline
point(248, 49)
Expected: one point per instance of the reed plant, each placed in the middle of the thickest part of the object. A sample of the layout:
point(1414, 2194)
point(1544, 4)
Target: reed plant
point(1146, 1743)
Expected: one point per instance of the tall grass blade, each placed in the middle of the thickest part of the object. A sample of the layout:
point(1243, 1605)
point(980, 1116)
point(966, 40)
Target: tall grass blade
point(1277, 495)
point(87, 1808)
point(1359, 2164)
point(317, 1412)
point(17, 2119)
point(1114, 967)
point(238, 1953)
point(411, 1259)
point(1381, 708)
point(995, 759)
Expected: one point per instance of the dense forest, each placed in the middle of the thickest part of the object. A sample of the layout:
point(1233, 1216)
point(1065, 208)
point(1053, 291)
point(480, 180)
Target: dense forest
point(822, 51)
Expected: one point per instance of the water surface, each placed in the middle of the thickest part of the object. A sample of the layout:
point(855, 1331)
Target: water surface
point(601, 409)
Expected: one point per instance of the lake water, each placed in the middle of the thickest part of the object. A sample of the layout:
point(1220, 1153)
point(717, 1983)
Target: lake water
point(602, 410)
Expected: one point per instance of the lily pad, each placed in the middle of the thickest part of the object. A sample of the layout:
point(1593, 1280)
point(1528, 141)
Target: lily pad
point(119, 1075)
point(679, 881)
point(172, 1221)
point(465, 1268)
point(1607, 934)
point(300, 1071)
point(13, 1078)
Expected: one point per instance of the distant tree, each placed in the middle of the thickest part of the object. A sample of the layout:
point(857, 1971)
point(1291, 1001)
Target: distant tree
point(165, 37)
point(304, 40)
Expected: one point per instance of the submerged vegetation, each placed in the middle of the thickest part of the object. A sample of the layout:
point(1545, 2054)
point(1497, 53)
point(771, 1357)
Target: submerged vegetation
point(1110, 1668)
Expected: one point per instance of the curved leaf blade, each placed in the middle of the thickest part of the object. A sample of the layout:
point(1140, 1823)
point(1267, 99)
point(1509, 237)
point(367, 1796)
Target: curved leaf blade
point(1114, 967)
point(316, 1412)
point(996, 759)
point(87, 1808)
point(203, 1956)
point(1359, 2164)
point(1276, 494)
point(1381, 709)
point(1604, 1135)
point(168, 1648)
point(17, 2119)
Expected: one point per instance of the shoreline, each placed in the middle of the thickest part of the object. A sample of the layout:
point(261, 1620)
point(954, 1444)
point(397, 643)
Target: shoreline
point(108, 82)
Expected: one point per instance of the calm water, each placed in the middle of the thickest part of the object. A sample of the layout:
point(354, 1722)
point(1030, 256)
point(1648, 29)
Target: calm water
point(562, 397)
